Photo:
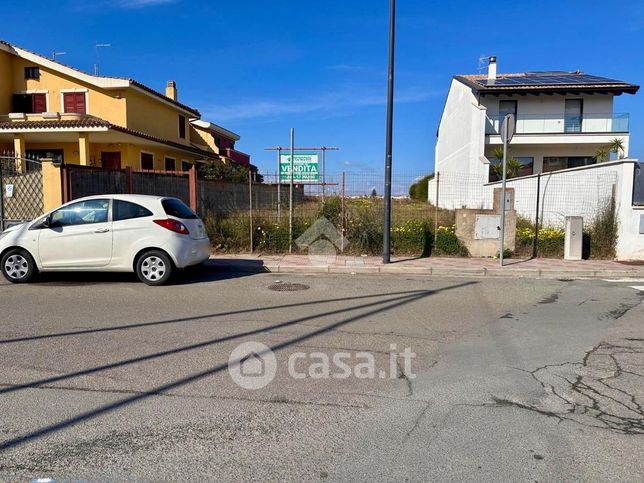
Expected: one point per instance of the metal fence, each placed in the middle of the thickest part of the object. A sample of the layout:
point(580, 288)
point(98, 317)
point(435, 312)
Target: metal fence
point(21, 182)
point(351, 203)
point(546, 198)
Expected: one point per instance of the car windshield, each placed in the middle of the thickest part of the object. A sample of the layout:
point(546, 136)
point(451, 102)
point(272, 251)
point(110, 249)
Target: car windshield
point(178, 209)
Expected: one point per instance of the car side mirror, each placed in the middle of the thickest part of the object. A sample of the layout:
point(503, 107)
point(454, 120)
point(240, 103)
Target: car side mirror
point(46, 222)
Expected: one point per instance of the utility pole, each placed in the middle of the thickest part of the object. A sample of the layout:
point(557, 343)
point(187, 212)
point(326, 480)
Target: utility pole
point(386, 236)
point(96, 65)
point(290, 197)
point(279, 183)
point(323, 172)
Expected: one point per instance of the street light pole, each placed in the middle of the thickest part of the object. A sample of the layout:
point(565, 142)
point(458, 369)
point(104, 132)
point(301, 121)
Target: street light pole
point(386, 236)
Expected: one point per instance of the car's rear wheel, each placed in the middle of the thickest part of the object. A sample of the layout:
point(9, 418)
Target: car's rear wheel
point(154, 268)
point(18, 266)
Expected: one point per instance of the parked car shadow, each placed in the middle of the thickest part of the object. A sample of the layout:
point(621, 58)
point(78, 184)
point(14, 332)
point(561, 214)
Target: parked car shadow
point(210, 271)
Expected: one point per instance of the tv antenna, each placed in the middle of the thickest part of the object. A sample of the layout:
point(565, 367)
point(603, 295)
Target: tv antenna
point(98, 47)
point(483, 62)
point(55, 54)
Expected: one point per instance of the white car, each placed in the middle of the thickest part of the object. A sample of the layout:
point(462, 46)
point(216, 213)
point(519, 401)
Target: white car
point(149, 235)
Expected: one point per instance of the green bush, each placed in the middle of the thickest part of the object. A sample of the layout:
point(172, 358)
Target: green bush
point(446, 243)
point(363, 228)
point(550, 242)
point(331, 209)
point(418, 190)
point(412, 237)
point(600, 238)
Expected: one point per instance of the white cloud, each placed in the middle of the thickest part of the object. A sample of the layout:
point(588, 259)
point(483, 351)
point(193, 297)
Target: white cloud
point(141, 3)
point(329, 104)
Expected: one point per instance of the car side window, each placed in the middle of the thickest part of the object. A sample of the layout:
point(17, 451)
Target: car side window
point(124, 210)
point(81, 213)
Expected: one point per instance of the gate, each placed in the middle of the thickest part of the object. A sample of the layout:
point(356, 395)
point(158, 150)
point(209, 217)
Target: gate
point(21, 183)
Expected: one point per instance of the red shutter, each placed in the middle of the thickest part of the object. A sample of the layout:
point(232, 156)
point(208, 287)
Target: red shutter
point(80, 103)
point(38, 103)
point(69, 102)
point(75, 102)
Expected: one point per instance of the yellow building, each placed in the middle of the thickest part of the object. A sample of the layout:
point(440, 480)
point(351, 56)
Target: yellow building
point(51, 110)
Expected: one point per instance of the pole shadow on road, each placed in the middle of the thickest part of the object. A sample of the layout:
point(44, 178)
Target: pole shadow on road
point(398, 300)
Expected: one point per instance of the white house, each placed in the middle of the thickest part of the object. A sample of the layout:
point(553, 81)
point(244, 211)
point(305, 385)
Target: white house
point(563, 118)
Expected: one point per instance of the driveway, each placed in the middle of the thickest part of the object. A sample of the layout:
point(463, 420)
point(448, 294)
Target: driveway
point(513, 379)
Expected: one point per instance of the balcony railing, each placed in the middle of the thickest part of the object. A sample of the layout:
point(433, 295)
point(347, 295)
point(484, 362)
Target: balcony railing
point(562, 124)
point(236, 156)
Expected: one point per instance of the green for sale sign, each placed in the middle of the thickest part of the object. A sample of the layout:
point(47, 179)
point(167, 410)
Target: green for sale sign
point(305, 168)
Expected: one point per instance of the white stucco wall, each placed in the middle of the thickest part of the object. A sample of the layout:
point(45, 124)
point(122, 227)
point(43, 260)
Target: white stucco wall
point(461, 134)
point(630, 244)
point(572, 192)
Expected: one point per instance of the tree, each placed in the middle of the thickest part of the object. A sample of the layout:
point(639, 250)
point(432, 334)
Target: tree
point(418, 190)
point(512, 166)
point(218, 171)
point(616, 146)
point(373, 193)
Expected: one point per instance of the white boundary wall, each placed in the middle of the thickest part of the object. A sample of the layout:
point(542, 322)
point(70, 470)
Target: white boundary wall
point(583, 191)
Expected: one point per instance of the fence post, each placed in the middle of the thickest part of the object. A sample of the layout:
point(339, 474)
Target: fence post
point(65, 183)
point(192, 182)
point(1, 197)
point(128, 180)
point(342, 213)
point(438, 181)
point(250, 208)
point(536, 219)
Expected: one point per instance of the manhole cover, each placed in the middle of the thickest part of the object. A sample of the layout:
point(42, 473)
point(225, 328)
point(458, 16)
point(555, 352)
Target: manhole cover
point(288, 287)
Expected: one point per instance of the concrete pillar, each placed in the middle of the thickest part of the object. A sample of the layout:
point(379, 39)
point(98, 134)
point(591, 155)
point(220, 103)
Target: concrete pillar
point(83, 148)
point(52, 190)
point(19, 150)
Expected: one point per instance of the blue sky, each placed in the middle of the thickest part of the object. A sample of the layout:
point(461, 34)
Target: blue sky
point(261, 67)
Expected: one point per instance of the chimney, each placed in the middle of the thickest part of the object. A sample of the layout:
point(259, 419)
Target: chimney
point(491, 70)
point(171, 90)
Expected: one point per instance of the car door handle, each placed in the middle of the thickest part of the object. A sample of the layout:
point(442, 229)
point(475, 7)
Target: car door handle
point(101, 230)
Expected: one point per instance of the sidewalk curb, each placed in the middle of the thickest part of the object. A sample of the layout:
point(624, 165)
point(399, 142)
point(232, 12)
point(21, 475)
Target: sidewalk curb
point(228, 265)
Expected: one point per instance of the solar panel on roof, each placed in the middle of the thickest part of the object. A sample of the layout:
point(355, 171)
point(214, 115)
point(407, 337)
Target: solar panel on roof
point(550, 79)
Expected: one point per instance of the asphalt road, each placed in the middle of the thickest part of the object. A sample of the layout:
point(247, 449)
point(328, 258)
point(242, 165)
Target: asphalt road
point(102, 378)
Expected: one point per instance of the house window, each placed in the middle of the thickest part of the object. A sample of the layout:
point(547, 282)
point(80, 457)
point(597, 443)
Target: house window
point(526, 169)
point(32, 73)
point(185, 165)
point(147, 161)
point(527, 165)
point(182, 127)
point(556, 163)
point(75, 102)
point(507, 107)
point(170, 164)
point(574, 110)
point(29, 103)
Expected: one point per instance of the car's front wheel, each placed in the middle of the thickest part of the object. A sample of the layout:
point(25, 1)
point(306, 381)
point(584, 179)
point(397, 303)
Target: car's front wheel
point(154, 268)
point(18, 266)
